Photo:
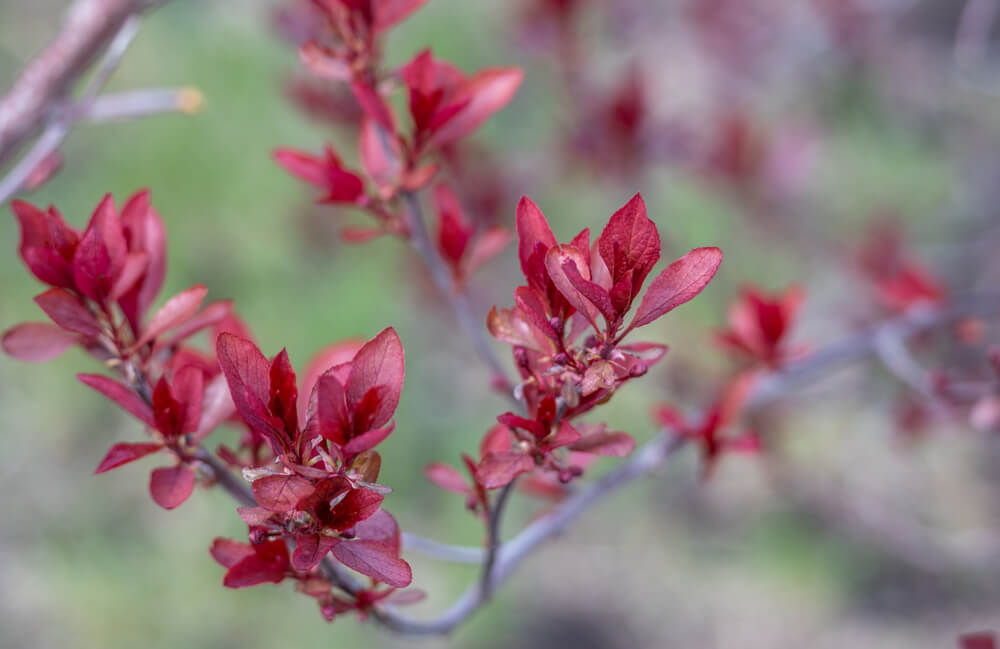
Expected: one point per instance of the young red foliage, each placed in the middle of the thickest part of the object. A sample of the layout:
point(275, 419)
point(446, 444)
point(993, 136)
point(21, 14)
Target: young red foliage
point(759, 324)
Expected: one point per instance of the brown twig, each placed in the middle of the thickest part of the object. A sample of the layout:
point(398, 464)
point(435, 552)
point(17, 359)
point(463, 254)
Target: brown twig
point(39, 99)
point(457, 298)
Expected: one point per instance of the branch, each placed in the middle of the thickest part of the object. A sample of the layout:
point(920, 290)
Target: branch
point(38, 98)
point(46, 81)
point(457, 298)
point(652, 454)
point(59, 127)
point(130, 104)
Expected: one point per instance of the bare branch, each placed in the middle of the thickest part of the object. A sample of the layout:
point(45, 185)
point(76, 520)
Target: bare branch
point(46, 81)
point(458, 300)
point(130, 104)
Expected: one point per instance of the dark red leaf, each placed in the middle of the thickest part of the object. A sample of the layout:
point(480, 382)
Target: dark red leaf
point(678, 283)
point(145, 233)
point(532, 230)
point(100, 255)
point(390, 12)
point(564, 436)
point(310, 550)
point(68, 311)
point(269, 563)
point(228, 552)
point(379, 363)
point(356, 506)
point(248, 375)
point(373, 105)
point(120, 454)
point(447, 477)
point(368, 440)
point(36, 341)
point(380, 527)
point(376, 560)
point(47, 244)
point(978, 640)
point(480, 96)
point(607, 444)
point(175, 312)
point(171, 486)
point(281, 492)
point(630, 242)
point(125, 397)
point(498, 469)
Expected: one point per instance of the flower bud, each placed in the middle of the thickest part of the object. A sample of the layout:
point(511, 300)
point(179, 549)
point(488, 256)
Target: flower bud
point(556, 323)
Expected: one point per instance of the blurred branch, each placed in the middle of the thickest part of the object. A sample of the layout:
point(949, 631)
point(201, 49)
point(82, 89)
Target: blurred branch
point(655, 452)
point(972, 35)
point(456, 297)
point(39, 98)
point(142, 103)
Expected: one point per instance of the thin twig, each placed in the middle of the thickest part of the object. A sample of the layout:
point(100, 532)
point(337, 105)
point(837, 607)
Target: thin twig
point(457, 298)
point(60, 126)
point(130, 104)
point(652, 454)
point(47, 80)
point(493, 541)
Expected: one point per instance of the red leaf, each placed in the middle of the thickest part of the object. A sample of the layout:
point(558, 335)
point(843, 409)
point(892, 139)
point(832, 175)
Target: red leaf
point(373, 105)
point(269, 563)
point(36, 341)
point(678, 283)
point(101, 253)
point(390, 12)
point(380, 527)
point(356, 506)
point(125, 397)
point(532, 230)
point(607, 444)
point(306, 166)
point(120, 454)
point(447, 477)
point(379, 363)
point(380, 153)
point(217, 406)
point(132, 271)
point(565, 436)
point(978, 640)
point(454, 231)
point(310, 550)
point(570, 272)
point(144, 232)
point(497, 440)
point(188, 388)
point(210, 316)
point(47, 244)
point(367, 440)
point(67, 311)
point(175, 312)
point(324, 66)
point(248, 374)
point(253, 516)
point(483, 94)
point(498, 469)
point(330, 356)
point(171, 486)
point(228, 552)
point(376, 560)
point(630, 242)
point(281, 492)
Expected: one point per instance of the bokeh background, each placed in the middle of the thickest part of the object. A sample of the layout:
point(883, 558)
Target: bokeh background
point(851, 110)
